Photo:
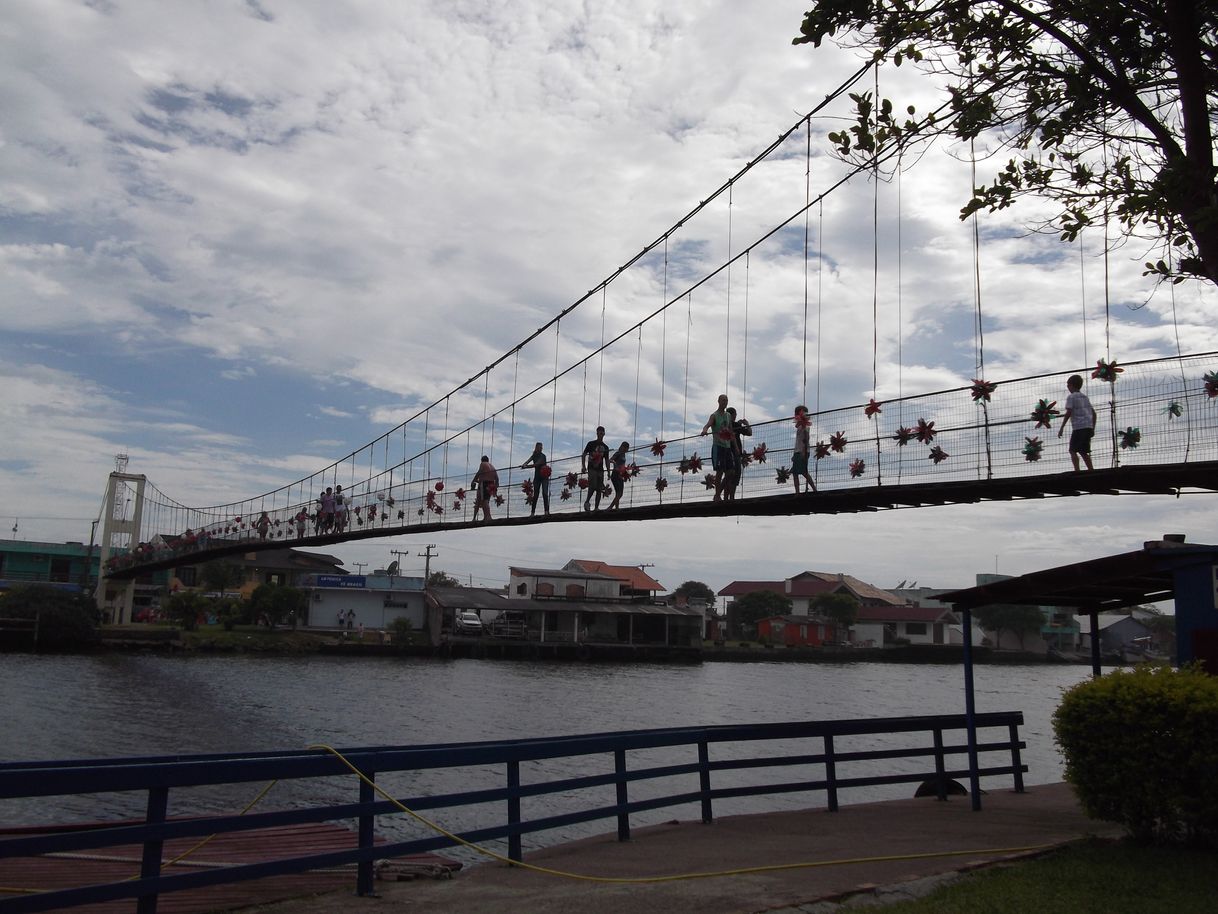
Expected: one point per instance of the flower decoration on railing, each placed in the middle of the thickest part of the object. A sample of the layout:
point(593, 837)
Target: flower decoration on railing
point(872, 409)
point(1045, 412)
point(401, 514)
point(633, 469)
point(858, 467)
point(460, 493)
point(1106, 371)
point(546, 472)
point(820, 450)
point(420, 512)
point(527, 488)
point(390, 502)
point(372, 512)
point(357, 509)
point(431, 499)
point(658, 447)
point(237, 519)
point(1211, 383)
point(1173, 410)
point(622, 472)
point(1032, 448)
point(760, 452)
point(1130, 437)
point(440, 486)
point(782, 474)
point(661, 484)
point(709, 480)
point(838, 442)
point(499, 499)
point(583, 483)
point(802, 420)
point(981, 390)
point(925, 431)
point(564, 494)
point(456, 504)
point(938, 455)
point(572, 480)
point(690, 464)
point(903, 436)
point(745, 459)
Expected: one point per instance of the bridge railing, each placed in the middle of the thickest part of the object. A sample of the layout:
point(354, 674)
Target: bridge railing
point(608, 776)
point(1153, 412)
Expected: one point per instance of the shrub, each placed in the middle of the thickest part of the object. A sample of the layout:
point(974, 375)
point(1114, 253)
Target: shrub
point(1141, 749)
point(64, 618)
point(402, 629)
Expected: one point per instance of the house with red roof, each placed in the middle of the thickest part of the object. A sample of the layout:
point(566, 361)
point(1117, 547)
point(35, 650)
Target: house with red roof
point(880, 625)
point(801, 590)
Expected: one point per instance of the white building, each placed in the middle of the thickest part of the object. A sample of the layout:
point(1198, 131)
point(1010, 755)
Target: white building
point(374, 601)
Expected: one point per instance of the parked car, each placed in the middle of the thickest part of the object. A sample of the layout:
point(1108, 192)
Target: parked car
point(467, 622)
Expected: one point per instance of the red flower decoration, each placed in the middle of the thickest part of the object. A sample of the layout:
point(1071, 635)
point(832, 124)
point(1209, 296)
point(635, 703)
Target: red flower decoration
point(456, 505)
point(440, 486)
point(782, 474)
point(499, 499)
point(1044, 413)
point(925, 432)
point(759, 453)
point(858, 467)
point(802, 420)
point(745, 459)
point(1106, 371)
point(527, 488)
point(356, 509)
point(981, 390)
point(661, 484)
point(1211, 383)
point(572, 480)
point(657, 449)
point(690, 464)
point(633, 470)
point(460, 493)
point(820, 450)
point(546, 471)
point(564, 494)
point(938, 455)
point(903, 436)
point(709, 480)
point(872, 408)
point(401, 514)
point(420, 512)
point(838, 442)
point(237, 518)
point(583, 483)
point(371, 512)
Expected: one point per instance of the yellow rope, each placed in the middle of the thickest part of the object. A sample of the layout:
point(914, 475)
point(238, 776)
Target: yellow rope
point(677, 877)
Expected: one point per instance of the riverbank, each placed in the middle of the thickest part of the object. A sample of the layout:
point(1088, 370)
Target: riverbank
point(258, 640)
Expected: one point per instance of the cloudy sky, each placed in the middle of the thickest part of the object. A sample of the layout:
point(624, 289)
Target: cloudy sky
point(239, 240)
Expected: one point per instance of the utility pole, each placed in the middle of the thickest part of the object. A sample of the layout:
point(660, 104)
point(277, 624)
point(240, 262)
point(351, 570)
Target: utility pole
point(427, 554)
point(360, 566)
point(400, 555)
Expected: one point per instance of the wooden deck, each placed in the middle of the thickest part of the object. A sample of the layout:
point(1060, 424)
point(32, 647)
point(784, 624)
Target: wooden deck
point(63, 871)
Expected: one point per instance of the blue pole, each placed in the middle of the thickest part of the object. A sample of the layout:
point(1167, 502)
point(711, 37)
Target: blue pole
point(970, 713)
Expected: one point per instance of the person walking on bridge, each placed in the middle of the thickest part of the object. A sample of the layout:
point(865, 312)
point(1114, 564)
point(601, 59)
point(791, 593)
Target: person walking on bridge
point(722, 451)
point(1081, 416)
point(803, 448)
point(485, 483)
point(592, 461)
point(541, 478)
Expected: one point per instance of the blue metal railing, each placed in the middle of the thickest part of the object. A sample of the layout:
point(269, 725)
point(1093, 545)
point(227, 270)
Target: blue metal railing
point(822, 766)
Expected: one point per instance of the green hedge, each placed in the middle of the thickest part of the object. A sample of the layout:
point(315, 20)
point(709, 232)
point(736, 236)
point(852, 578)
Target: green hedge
point(1141, 749)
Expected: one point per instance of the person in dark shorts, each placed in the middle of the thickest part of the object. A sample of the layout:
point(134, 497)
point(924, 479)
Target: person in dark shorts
point(541, 478)
point(1081, 416)
point(803, 448)
point(485, 483)
point(617, 472)
point(722, 454)
point(592, 461)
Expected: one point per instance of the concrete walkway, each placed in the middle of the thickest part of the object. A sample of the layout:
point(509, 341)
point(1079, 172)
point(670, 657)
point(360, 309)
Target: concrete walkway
point(1044, 815)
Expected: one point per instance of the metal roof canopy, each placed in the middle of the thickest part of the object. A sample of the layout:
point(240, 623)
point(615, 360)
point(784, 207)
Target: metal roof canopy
point(1153, 573)
point(1099, 585)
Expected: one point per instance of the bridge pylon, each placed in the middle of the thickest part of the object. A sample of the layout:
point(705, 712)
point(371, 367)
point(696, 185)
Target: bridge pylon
point(124, 508)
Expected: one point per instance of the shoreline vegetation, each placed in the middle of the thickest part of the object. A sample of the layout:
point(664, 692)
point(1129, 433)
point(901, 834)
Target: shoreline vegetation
point(252, 639)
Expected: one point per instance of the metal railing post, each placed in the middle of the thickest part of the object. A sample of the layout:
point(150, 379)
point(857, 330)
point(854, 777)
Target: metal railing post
point(513, 807)
point(704, 781)
point(364, 869)
point(150, 864)
point(940, 772)
point(830, 773)
point(623, 817)
point(1016, 760)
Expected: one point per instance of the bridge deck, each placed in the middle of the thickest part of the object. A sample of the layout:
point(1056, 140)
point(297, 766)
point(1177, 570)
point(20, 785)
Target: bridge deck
point(1167, 479)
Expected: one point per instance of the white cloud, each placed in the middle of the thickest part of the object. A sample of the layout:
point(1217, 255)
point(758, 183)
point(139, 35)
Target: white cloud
point(362, 207)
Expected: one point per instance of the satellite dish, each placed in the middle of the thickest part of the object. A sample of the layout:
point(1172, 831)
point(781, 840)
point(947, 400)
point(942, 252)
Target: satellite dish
point(393, 567)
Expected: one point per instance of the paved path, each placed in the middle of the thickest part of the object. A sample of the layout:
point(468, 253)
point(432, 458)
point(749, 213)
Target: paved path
point(1045, 814)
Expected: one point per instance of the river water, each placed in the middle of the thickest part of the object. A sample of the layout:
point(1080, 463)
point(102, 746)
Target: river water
point(57, 707)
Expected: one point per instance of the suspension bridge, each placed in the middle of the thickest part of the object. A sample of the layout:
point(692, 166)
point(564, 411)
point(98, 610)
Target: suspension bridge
point(989, 440)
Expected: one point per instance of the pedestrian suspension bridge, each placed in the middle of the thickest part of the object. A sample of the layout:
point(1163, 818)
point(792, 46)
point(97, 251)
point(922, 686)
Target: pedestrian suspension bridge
point(620, 357)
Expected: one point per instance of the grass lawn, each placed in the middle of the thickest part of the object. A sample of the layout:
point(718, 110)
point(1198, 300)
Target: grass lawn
point(1089, 878)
